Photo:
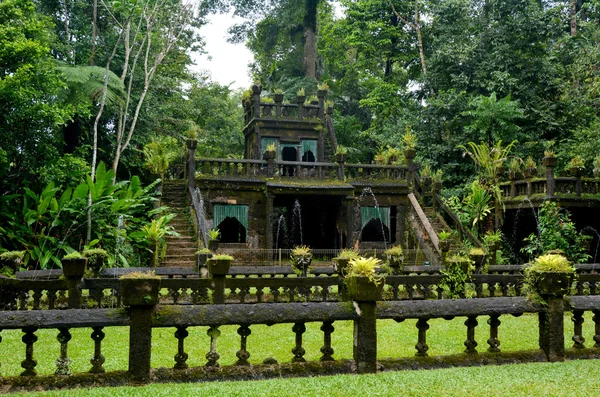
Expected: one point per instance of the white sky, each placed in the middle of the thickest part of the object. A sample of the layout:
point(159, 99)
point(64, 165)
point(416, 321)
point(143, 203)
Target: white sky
point(226, 62)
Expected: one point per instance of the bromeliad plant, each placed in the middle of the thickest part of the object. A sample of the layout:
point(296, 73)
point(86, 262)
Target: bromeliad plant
point(301, 258)
point(366, 267)
point(395, 257)
point(549, 275)
point(363, 280)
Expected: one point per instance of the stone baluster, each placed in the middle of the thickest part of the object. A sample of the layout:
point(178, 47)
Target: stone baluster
point(243, 355)
point(493, 341)
point(181, 356)
point(596, 319)
point(29, 363)
point(298, 350)
point(578, 339)
point(62, 363)
point(98, 360)
point(327, 350)
point(471, 343)
point(421, 345)
point(212, 356)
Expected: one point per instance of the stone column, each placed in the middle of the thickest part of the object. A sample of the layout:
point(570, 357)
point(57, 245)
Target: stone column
point(551, 324)
point(400, 224)
point(550, 163)
point(256, 90)
point(365, 338)
point(349, 221)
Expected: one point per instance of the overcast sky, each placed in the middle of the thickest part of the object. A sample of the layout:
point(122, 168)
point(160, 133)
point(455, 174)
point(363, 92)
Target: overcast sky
point(228, 63)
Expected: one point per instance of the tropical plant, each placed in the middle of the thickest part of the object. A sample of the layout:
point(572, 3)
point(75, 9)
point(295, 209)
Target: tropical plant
point(409, 139)
point(425, 171)
point(556, 231)
point(530, 163)
point(347, 253)
point(577, 162)
point(597, 166)
point(444, 235)
point(476, 251)
point(301, 92)
point(492, 237)
point(477, 203)
point(455, 276)
point(203, 251)
point(488, 159)
point(160, 153)
point(394, 256)
point(154, 233)
point(365, 267)
point(214, 234)
point(278, 91)
point(514, 165)
point(341, 150)
point(437, 176)
point(549, 153)
point(222, 257)
point(301, 251)
point(323, 86)
point(73, 255)
point(271, 147)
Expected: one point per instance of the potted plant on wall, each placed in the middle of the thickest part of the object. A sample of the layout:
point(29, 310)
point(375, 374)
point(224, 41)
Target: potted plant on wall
point(341, 154)
point(425, 174)
point(213, 239)
point(530, 168)
point(300, 96)
point(74, 264)
point(278, 95)
point(437, 180)
point(445, 242)
point(395, 258)
point(410, 143)
point(219, 264)
point(514, 169)
point(363, 281)
point(340, 262)
point(576, 166)
point(140, 288)
point(95, 257)
point(270, 151)
point(301, 258)
point(11, 259)
point(550, 275)
point(322, 89)
point(455, 276)
point(202, 256)
point(549, 158)
point(477, 255)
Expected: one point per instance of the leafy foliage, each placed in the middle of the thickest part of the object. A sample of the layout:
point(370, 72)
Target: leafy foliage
point(556, 231)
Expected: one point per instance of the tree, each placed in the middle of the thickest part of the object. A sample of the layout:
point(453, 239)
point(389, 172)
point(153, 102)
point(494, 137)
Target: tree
point(493, 119)
point(29, 85)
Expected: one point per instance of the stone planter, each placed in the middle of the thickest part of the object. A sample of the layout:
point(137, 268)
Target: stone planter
point(74, 268)
point(529, 172)
point(362, 289)
point(550, 161)
point(340, 265)
point(553, 283)
point(191, 143)
point(410, 154)
point(340, 157)
point(302, 263)
point(300, 99)
point(445, 245)
point(269, 155)
point(278, 97)
point(500, 170)
point(437, 186)
point(515, 175)
point(396, 262)
point(495, 246)
point(321, 93)
point(140, 291)
point(479, 262)
point(219, 267)
point(576, 171)
point(213, 245)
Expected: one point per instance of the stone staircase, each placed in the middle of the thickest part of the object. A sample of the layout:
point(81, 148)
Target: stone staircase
point(181, 250)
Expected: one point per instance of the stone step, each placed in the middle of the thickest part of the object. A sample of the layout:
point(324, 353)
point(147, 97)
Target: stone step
point(173, 250)
point(190, 264)
point(180, 257)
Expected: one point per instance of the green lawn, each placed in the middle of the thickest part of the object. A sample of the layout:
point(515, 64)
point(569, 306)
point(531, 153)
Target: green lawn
point(574, 378)
point(394, 340)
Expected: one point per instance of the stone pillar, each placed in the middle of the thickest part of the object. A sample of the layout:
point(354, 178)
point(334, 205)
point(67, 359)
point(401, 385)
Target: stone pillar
point(219, 288)
point(321, 95)
point(550, 163)
point(298, 159)
point(365, 338)
point(73, 270)
point(256, 90)
point(140, 342)
point(551, 324)
point(271, 167)
point(349, 221)
point(341, 161)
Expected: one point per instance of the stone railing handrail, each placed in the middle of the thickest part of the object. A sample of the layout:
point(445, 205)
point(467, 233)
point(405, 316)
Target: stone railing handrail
point(141, 320)
point(550, 186)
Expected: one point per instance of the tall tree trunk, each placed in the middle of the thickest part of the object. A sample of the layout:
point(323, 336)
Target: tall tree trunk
point(573, 17)
point(94, 27)
point(310, 39)
point(416, 26)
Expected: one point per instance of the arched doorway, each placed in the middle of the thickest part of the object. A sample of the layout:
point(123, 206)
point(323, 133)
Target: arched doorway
point(375, 231)
point(232, 231)
point(288, 153)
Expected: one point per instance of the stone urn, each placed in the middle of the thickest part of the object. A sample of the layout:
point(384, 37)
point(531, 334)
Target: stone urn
point(278, 98)
point(269, 155)
point(445, 245)
point(361, 289)
point(340, 157)
point(340, 265)
point(302, 262)
point(410, 154)
point(437, 186)
point(300, 99)
point(74, 268)
point(553, 283)
point(213, 245)
point(219, 267)
point(321, 93)
point(530, 172)
point(576, 171)
point(140, 291)
point(550, 161)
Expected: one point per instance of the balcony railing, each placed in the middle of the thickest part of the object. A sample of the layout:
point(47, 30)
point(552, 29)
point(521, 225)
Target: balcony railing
point(244, 168)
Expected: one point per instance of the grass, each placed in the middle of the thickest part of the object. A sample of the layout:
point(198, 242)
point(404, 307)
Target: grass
point(395, 340)
point(574, 378)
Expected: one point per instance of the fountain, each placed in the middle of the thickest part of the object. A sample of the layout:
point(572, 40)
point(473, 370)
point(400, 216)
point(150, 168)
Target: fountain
point(367, 191)
point(297, 222)
point(281, 226)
